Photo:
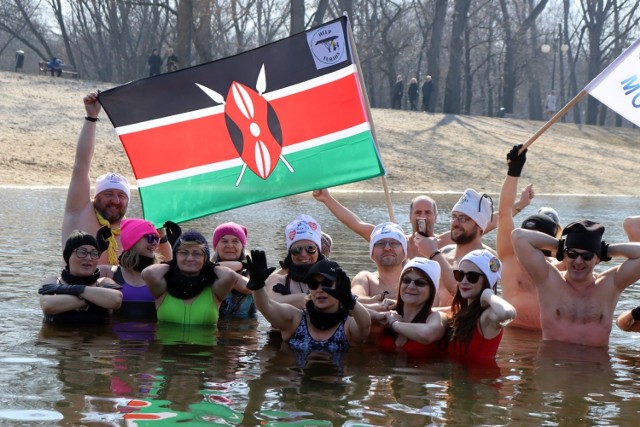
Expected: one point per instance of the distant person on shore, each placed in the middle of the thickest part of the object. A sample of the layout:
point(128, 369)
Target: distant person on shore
point(55, 65)
point(155, 63)
point(478, 316)
point(172, 61)
point(413, 94)
point(577, 305)
point(397, 92)
point(79, 295)
point(427, 90)
point(550, 105)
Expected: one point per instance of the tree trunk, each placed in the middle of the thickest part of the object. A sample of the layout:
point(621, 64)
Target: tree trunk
point(184, 30)
point(452, 89)
point(433, 55)
point(297, 16)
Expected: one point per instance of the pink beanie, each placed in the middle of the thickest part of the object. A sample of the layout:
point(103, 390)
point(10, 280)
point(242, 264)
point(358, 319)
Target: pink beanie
point(230, 228)
point(132, 230)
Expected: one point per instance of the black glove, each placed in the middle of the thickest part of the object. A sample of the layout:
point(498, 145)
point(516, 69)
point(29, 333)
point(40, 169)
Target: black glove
point(516, 162)
point(342, 290)
point(60, 289)
point(281, 289)
point(258, 270)
point(635, 313)
point(102, 235)
point(173, 231)
point(560, 251)
point(604, 251)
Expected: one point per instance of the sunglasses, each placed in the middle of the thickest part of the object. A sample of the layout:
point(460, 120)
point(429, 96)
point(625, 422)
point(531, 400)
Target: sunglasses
point(315, 284)
point(297, 250)
point(573, 254)
point(152, 238)
point(421, 283)
point(472, 276)
point(82, 253)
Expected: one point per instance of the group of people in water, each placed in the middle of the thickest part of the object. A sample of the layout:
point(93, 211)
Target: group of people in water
point(429, 295)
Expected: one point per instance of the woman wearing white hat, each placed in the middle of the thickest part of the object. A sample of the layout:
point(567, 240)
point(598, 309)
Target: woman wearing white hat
point(413, 326)
point(478, 315)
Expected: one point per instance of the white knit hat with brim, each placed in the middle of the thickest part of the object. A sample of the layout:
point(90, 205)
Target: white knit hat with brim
point(304, 227)
point(387, 230)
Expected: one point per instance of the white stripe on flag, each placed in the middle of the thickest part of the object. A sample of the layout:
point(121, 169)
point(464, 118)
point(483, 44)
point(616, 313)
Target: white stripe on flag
point(618, 86)
point(214, 167)
point(219, 109)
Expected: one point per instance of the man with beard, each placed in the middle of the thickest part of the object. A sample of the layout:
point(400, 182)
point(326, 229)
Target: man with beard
point(303, 237)
point(111, 195)
point(470, 218)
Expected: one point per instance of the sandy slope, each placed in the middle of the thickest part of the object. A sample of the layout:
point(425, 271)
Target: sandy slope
point(41, 117)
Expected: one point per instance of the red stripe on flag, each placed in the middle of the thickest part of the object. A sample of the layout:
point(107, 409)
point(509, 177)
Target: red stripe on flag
point(305, 115)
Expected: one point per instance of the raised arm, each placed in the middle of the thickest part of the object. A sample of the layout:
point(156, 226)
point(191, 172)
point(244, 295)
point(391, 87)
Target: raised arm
point(631, 225)
point(79, 193)
point(629, 271)
point(528, 245)
point(344, 215)
point(498, 313)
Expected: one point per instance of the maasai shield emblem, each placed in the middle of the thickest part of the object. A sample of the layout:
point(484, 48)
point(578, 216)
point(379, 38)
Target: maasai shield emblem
point(253, 126)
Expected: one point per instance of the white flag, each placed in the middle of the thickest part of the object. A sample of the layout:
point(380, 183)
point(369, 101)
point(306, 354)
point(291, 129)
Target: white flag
point(618, 86)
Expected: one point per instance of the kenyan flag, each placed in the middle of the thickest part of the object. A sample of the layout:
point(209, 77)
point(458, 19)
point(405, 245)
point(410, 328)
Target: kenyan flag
point(282, 119)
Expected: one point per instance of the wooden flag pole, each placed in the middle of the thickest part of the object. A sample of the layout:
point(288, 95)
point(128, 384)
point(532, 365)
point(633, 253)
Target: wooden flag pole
point(554, 119)
point(356, 61)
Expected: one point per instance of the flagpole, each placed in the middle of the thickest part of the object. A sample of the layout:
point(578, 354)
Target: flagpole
point(356, 61)
point(554, 119)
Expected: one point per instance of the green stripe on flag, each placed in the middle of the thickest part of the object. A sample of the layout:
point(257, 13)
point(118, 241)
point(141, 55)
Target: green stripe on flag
point(340, 162)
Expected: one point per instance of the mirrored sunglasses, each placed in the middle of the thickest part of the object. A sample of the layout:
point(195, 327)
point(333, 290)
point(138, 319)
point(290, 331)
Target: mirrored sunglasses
point(152, 238)
point(297, 250)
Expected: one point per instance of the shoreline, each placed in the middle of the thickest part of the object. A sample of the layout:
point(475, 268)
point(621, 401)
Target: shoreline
point(429, 152)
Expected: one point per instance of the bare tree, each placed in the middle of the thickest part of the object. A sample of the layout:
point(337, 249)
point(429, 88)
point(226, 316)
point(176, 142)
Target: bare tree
point(452, 91)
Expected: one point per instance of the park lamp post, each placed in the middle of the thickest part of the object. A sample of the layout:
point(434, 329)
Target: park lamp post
point(558, 47)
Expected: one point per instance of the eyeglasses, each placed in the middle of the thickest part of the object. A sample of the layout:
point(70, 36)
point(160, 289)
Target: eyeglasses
point(394, 244)
point(573, 254)
point(472, 276)
point(82, 253)
point(297, 250)
point(421, 283)
point(185, 254)
point(152, 238)
point(315, 284)
point(460, 218)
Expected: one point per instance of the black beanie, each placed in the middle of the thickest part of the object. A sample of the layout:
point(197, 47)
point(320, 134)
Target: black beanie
point(585, 235)
point(192, 236)
point(76, 239)
point(540, 222)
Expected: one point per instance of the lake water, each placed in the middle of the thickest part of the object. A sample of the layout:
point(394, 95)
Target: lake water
point(108, 376)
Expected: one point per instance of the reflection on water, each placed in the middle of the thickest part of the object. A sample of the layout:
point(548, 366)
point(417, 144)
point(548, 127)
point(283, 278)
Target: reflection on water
point(238, 375)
